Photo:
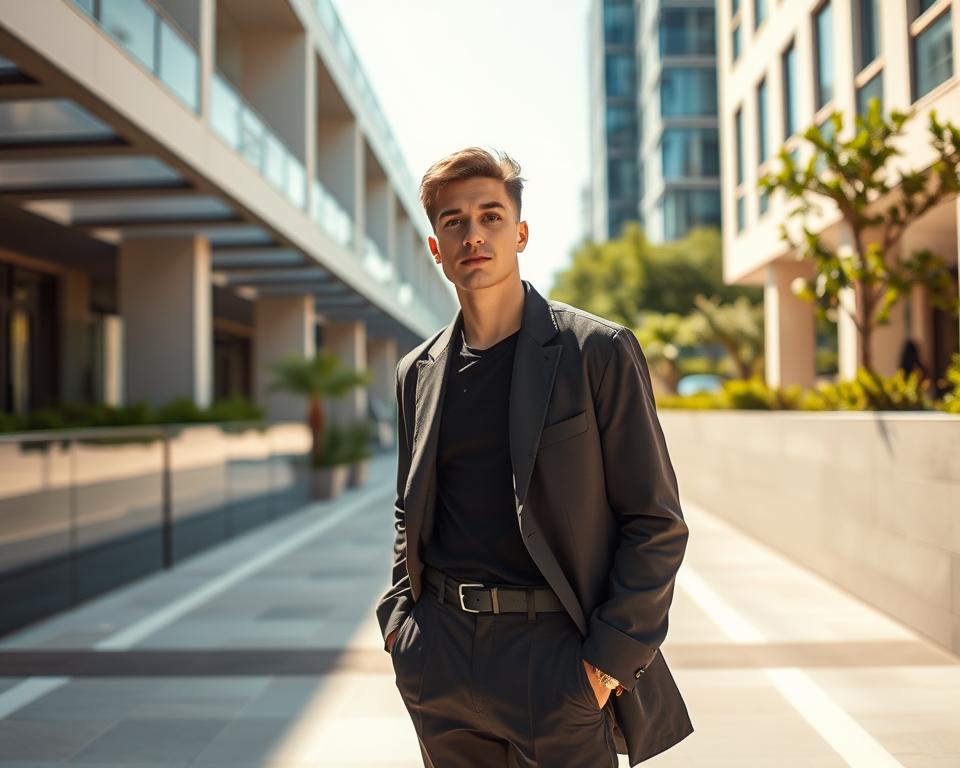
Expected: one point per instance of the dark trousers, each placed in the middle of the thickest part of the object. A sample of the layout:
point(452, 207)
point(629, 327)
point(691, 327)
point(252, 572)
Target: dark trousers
point(489, 690)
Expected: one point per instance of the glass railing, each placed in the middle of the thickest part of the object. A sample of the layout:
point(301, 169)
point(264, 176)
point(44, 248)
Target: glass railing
point(242, 128)
point(375, 262)
point(405, 294)
point(153, 40)
point(331, 21)
point(330, 216)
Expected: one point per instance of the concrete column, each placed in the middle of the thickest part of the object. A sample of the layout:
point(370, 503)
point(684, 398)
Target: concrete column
point(848, 342)
point(348, 341)
point(75, 352)
point(382, 363)
point(282, 325)
point(340, 168)
point(165, 301)
point(207, 40)
point(789, 327)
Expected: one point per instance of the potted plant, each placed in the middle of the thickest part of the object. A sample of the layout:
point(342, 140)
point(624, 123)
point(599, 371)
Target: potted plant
point(329, 478)
point(358, 442)
point(315, 378)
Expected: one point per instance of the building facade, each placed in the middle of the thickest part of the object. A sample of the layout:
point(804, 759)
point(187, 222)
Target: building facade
point(190, 191)
point(787, 65)
point(654, 131)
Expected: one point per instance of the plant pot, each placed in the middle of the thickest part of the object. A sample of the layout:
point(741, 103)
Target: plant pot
point(359, 471)
point(328, 482)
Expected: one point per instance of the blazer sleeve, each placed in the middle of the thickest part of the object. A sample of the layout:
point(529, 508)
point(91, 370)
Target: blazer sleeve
point(627, 628)
point(398, 600)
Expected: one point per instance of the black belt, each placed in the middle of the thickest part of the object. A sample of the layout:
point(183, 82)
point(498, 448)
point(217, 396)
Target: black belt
point(474, 597)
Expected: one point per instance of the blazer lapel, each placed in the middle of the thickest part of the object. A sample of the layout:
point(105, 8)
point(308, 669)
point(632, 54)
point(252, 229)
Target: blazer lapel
point(531, 385)
point(421, 480)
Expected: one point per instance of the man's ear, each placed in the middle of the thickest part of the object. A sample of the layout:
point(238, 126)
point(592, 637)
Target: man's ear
point(433, 245)
point(523, 235)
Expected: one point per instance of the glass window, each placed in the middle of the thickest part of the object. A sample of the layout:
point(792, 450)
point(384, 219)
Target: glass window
point(933, 55)
point(759, 12)
point(621, 179)
point(741, 213)
point(828, 131)
point(687, 32)
point(790, 101)
point(735, 41)
point(873, 88)
point(688, 91)
point(738, 134)
point(690, 153)
point(621, 126)
point(618, 24)
point(823, 30)
point(616, 220)
point(869, 37)
point(621, 73)
point(923, 6)
point(762, 145)
point(734, 6)
point(685, 209)
point(87, 5)
point(764, 200)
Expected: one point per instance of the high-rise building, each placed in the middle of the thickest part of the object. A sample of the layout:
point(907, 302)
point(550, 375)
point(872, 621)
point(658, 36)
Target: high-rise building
point(786, 65)
point(613, 116)
point(655, 145)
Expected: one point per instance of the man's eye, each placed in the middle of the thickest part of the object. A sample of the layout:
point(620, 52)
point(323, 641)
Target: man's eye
point(452, 221)
point(493, 216)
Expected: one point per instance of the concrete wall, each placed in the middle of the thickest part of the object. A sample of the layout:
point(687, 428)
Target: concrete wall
point(869, 501)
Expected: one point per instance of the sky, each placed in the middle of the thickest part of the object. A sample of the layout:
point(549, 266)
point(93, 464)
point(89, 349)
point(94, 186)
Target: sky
point(502, 74)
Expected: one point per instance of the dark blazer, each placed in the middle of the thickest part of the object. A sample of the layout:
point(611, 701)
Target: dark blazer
point(596, 497)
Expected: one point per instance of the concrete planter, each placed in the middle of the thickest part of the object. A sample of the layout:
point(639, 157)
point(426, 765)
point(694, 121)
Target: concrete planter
point(870, 501)
point(328, 482)
point(359, 471)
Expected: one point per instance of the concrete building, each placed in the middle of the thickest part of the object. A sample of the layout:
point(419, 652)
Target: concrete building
point(654, 133)
point(786, 65)
point(190, 191)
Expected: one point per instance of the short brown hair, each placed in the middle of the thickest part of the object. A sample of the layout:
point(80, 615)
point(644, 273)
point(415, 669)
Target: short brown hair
point(466, 164)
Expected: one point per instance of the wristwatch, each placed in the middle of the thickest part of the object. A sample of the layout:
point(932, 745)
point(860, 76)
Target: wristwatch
point(608, 680)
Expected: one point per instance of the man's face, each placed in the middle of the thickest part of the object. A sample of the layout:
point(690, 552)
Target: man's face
point(477, 234)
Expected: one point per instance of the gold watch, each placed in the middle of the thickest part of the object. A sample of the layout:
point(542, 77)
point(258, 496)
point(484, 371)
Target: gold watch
point(608, 681)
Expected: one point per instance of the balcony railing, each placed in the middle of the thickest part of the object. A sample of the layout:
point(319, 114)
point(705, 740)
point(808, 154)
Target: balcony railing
point(330, 216)
point(151, 38)
point(238, 124)
point(331, 21)
point(376, 263)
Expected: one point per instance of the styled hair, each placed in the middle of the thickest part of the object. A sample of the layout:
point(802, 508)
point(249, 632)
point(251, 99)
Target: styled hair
point(467, 164)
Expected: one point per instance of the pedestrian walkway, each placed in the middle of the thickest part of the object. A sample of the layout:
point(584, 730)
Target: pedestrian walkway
point(266, 652)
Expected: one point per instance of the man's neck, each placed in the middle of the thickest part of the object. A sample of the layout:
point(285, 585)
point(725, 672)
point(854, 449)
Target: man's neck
point(491, 314)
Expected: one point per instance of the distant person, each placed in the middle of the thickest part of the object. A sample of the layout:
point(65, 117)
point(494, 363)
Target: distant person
point(910, 361)
point(538, 523)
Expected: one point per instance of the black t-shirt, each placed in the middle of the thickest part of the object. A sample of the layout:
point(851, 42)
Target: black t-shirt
point(476, 535)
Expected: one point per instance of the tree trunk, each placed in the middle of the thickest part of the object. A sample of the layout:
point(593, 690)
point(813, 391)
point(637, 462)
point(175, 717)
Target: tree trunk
point(316, 420)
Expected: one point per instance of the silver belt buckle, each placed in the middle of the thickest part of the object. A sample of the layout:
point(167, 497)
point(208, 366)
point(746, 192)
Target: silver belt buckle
point(460, 591)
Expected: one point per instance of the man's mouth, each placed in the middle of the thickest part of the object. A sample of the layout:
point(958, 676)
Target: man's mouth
point(475, 259)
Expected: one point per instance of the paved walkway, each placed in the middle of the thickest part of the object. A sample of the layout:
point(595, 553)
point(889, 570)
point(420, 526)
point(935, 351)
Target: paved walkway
point(266, 651)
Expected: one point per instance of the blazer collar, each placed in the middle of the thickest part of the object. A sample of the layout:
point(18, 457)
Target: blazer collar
point(537, 322)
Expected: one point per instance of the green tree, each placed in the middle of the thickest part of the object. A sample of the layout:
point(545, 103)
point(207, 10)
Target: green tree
point(736, 326)
point(662, 336)
point(876, 206)
point(623, 277)
point(315, 378)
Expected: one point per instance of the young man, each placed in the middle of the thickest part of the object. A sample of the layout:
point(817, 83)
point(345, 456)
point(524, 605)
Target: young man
point(538, 525)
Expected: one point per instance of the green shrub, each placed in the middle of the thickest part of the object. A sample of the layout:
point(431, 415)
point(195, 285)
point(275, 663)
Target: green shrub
point(951, 401)
point(871, 392)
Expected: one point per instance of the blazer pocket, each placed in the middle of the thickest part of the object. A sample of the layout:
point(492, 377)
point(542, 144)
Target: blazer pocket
point(561, 430)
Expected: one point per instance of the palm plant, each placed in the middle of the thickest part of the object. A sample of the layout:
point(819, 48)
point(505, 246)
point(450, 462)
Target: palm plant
point(322, 376)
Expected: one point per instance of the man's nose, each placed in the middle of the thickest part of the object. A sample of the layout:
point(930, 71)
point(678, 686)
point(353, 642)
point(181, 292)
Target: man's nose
point(473, 235)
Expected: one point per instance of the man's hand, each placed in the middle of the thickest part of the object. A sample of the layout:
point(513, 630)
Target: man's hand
point(599, 689)
point(390, 639)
